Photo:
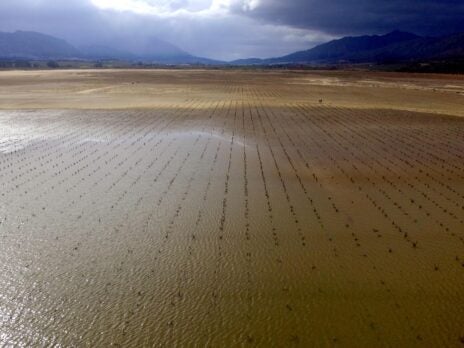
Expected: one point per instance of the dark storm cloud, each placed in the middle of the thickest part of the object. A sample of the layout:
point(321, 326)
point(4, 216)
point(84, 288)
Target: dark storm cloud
point(341, 17)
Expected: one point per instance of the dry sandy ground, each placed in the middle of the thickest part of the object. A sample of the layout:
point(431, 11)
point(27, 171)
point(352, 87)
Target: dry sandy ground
point(124, 89)
point(231, 208)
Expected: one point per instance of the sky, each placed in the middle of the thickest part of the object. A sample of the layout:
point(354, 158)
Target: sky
point(228, 29)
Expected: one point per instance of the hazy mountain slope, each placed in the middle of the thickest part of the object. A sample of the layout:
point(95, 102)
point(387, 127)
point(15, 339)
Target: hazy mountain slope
point(32, 45)
point(104, 52)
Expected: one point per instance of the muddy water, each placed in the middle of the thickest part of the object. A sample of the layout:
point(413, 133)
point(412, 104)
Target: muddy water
point(225, 224)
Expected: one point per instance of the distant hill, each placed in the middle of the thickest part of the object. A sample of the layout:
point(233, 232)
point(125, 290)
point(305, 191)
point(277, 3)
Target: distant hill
point(396, 46)
point(158, 51)
point(37, 46)
point(101, 52)
point(148, 50)
point(32, 45)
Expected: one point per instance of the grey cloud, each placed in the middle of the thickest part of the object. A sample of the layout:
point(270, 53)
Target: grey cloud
point(81, 23)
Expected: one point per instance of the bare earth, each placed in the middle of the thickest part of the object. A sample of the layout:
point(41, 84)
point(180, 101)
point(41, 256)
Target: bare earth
point(231, 208)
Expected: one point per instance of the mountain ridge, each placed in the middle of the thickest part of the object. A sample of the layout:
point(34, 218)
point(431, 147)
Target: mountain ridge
point(33, 45)
point(37, 46)
point(395, 46)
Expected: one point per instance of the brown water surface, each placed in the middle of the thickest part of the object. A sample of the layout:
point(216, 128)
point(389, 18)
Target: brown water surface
point(244, 216)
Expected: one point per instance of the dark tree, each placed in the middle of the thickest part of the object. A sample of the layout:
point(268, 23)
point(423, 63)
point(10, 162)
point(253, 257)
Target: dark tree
point(53, 65)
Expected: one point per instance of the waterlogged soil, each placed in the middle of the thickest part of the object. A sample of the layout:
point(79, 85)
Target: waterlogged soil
point(244, 217)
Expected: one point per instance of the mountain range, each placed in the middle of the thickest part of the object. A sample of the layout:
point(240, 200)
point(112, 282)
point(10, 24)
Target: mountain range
point(396, 46)
point(32, 45)
point(37, 46)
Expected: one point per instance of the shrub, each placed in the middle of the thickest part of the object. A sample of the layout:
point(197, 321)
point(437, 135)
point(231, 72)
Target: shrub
point(52, 64)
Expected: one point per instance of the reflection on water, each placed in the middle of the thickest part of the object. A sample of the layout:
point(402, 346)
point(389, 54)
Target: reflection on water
point(228, 225)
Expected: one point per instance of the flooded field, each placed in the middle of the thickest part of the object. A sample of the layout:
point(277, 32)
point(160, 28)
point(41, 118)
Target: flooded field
point(230, 209)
